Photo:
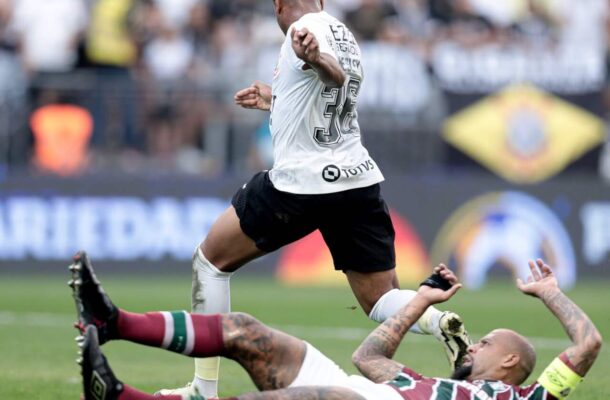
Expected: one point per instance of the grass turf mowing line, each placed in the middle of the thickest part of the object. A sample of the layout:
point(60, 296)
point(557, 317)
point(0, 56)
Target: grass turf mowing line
point(38, 361)
point(27, 319)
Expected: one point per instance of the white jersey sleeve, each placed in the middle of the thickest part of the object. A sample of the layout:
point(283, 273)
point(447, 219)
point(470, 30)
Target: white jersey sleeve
point(316, 137)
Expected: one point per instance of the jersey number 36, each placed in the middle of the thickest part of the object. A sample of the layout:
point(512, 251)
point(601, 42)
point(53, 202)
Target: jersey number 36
point(340, 113)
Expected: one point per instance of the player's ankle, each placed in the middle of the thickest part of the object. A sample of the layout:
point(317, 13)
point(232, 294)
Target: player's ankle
point(428, 323)
point(206, 387)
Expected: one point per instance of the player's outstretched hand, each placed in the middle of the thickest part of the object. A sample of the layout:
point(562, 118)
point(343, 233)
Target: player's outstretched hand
point(542, 281)
point(256, 96)
point(438, 295)
point(305, 45)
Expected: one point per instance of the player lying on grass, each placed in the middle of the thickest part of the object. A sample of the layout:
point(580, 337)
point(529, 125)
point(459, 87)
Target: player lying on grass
point(284, 367)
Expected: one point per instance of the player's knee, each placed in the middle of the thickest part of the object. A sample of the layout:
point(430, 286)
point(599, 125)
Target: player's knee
point(228, 255)
point(243, 319)
point(367, 306)
point(358, 359)
point(369, 300)
point(242, 329)
point(245, 323)
point(217, 257)
point(370, 287)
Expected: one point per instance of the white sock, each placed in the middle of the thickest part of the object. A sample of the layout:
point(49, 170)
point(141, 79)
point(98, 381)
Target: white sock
point(394, 300)
point(211, 294)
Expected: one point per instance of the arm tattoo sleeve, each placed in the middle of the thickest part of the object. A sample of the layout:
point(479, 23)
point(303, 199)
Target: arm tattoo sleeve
point(586, 338)
point(373, 358)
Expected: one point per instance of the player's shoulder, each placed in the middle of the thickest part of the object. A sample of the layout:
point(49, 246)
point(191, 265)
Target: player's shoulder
point(320, 18)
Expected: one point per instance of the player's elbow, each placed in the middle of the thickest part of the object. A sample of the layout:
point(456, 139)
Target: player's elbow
point(340, 77)
point(356, 357)
point(596, 342)
point(592, 344)
point(335, 80)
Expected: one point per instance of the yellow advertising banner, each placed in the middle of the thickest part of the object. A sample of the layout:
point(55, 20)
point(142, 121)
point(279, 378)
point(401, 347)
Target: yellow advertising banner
point(524, 134)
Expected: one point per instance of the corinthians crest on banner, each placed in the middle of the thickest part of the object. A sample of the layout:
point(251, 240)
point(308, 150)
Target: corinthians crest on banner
point(524, 134)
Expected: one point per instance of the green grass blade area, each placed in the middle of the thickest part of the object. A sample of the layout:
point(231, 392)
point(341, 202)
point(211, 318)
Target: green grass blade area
point(38, 351)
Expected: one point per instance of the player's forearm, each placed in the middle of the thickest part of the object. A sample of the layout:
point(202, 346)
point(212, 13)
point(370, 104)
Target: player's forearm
point(374, 356)
point(581, 330)
point(386, 338)
point(329, 70)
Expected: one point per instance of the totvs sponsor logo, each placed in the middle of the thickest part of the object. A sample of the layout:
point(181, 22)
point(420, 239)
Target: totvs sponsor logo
point(332, 173)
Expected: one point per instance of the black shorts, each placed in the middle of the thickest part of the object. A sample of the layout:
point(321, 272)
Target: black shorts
point(355, 224)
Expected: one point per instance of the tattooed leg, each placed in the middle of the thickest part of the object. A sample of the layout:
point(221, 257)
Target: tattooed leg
point(271, 358)
point(305, 393)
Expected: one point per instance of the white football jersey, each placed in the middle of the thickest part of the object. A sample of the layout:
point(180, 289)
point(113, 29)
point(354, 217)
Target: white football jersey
point(316, 137)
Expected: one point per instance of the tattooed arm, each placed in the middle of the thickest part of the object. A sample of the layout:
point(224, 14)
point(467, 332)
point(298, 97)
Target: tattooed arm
point(373, 358)
point(585, 337)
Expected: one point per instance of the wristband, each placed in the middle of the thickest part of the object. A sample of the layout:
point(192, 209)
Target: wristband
point(436, 281)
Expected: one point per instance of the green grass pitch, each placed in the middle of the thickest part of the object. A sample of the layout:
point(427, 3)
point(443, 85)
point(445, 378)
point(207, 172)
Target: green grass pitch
point(37, 349)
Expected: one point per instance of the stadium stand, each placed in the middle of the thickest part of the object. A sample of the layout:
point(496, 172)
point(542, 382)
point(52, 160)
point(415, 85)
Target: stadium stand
point(158, 76)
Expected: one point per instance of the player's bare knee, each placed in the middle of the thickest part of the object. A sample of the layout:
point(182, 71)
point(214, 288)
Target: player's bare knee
point(217, 256)
point(358, 359)
point(243, 320)
point(222, 264)
point(239, 326)
point(368, 300)
point(369, 287)
point(228, 255)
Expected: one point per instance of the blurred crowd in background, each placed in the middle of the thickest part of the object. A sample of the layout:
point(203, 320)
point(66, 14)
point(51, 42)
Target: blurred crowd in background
point(147, 85)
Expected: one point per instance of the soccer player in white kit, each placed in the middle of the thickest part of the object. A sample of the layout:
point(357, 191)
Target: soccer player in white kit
point(322, 178)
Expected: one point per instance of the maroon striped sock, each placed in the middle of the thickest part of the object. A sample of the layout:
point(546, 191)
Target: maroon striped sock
point(145, 329)
point(194, 335)
point(208, 335)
